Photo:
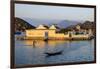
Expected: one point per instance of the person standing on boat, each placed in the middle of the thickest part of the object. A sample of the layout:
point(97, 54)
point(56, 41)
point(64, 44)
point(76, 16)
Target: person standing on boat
point(34, 42)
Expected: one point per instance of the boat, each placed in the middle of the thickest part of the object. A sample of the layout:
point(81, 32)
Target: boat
point(53, 54)
point(18, 33)
point(46, 40)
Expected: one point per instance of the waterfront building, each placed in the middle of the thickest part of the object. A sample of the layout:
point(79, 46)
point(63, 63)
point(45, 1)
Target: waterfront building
point(52, 32)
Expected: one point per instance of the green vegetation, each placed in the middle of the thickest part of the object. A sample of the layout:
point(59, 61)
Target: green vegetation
point(86, 25)
point(22, 25)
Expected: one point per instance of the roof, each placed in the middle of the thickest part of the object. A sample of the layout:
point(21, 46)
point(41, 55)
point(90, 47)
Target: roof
point(54, 27)
point(42, 26)
point(45, 26)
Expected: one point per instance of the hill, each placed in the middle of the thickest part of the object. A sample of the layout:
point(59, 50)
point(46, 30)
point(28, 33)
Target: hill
point(85, 25)
point(60, 23)
point(22, 25)
point(66, 23)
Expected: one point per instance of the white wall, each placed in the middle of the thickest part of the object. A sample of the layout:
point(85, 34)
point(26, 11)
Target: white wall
point(5, 35)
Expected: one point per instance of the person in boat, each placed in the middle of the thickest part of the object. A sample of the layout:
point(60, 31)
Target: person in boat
point(34, 42)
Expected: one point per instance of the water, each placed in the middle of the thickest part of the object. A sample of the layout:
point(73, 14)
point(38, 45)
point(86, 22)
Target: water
point(73, 51)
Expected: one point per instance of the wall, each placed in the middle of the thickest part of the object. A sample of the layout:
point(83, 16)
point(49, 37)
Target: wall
point(41, 33)
point(35, 33)
point(80, 36)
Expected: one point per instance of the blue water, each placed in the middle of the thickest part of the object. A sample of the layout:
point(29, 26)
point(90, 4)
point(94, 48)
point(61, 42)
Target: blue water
point(72, 51)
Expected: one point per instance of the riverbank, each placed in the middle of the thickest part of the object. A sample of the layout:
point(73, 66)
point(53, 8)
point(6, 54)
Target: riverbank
point(41, 38)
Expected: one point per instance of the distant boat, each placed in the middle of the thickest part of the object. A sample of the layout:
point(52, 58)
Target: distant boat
point(18, 33)
point(53, 54)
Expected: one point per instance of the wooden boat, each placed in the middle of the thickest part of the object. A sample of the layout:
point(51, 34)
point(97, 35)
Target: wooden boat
point(53, 54)
point(46, 40)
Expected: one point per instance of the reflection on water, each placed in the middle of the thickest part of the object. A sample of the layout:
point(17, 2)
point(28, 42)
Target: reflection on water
point(30, 52)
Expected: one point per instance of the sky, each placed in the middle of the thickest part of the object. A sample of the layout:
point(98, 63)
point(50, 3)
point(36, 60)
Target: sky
point(54, 12)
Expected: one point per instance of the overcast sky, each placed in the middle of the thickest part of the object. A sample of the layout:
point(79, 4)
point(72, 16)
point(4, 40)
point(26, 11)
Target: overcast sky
point(54, 12)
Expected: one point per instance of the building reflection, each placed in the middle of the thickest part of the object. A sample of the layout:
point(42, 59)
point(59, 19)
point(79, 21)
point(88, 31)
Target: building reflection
point(51, 44)
point(36, 43)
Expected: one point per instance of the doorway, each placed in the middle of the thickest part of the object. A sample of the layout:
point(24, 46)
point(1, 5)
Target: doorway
point(46, 35)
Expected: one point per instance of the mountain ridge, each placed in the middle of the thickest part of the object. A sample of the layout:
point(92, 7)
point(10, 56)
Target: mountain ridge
point(22, 25)
point(61, 23)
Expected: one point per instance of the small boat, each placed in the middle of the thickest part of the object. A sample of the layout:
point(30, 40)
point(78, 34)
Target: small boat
point(45, 39)
point(18, 33)
point(53, 54)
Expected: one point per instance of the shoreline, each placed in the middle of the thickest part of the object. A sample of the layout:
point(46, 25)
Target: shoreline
point(46, 39)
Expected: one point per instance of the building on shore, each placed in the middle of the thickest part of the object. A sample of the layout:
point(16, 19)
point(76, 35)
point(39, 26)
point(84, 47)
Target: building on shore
point(52, 32)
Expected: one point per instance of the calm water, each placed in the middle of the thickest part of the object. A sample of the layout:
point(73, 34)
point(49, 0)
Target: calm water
point(73, 51)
